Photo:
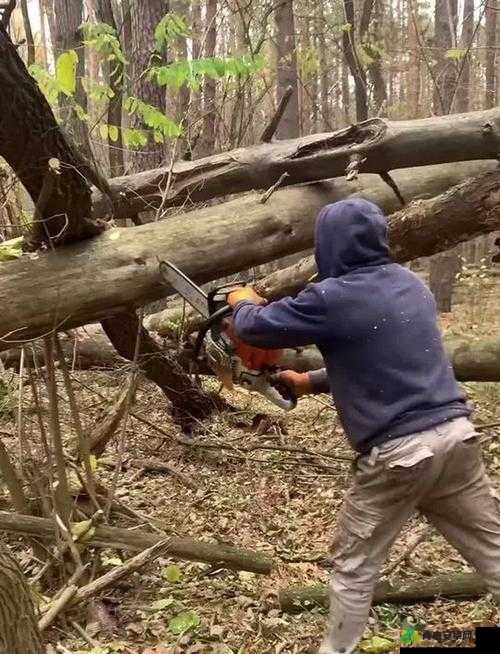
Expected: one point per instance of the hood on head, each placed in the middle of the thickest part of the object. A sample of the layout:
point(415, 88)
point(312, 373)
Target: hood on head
point(350, 234)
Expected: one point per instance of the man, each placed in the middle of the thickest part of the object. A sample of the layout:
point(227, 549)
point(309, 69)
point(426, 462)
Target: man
point(396, 395)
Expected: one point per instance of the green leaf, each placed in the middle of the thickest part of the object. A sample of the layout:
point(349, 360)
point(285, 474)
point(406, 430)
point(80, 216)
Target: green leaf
point(66, 71)
point(377, 645)
point(170, 28)
point(456, 53)
point(103, 131)
point(113, 133)
point(103, 38)
point(172, 573)
point(183, 622)
point(11, 249)
point(162, 604)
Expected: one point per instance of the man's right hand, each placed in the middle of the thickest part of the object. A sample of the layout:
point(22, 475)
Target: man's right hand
point(298, 382)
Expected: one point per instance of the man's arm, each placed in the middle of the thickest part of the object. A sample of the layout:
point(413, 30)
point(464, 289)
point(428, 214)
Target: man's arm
point(290, 322)
point(306, 383)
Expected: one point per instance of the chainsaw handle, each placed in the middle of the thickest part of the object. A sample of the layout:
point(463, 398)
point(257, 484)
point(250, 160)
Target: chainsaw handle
point(218, 316)
point(271, 388)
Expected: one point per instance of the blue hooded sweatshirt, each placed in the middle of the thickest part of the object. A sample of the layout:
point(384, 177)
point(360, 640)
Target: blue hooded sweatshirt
point(375, 324)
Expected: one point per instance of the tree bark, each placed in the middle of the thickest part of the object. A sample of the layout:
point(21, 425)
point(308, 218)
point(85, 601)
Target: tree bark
point(30, 43)
point(457, 585)
point(472, 360)
point(382, 145)
point(93, 280)
point(136, 540)
point(207, 141)
point(287, 68)
point(18, 625)
point(490, 98)
point(144, 17)
point(444, 267)
point(463, 91)
point(65, 214)
point(417, 222)
point(68, 36)
point(114, 72)
point(355, 66)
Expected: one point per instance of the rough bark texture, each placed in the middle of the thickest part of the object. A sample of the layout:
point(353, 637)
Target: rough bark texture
point(444, 267)
point(65, 215)
point(355, 67)
point(114, 73)
point(463, 91)
point(287, 68)
point(453, 586)
point(385, 145)
point(472, 360)
point(190, 403)
point(421, 229)
point(207, 139)
point(68, 36)
point(93, 280)
point(135, 540)
point(18, 625)
point(144, 17)
point(492, 9)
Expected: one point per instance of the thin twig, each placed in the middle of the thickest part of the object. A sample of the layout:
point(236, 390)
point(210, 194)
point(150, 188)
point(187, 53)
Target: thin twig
point(123, 434)
point(62, 493)
point(56, 607)
point(271, 128)
point(265, 196)
point(83, 443)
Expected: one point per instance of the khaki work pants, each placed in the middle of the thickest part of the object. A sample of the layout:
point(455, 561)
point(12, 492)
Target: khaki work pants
point(438, 472)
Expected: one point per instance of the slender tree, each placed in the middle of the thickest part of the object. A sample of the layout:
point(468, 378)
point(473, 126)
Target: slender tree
point(286, 51)
point(491, 71)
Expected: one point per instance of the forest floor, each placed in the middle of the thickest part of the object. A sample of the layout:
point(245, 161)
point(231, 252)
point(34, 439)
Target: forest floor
point(276, 501)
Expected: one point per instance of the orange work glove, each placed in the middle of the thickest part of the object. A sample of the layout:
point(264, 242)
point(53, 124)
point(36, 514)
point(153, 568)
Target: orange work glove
point(244, 293)
point(298, 382)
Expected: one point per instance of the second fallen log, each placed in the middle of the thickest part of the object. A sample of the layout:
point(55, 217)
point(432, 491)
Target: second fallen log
point(136, 540)
point(452, 586)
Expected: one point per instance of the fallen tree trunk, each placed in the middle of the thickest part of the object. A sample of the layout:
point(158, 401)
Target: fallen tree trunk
point(95, 279)
point(135, 540)
point(426, 226)
point(451, 586)
point(472, 359)
point(373, 146)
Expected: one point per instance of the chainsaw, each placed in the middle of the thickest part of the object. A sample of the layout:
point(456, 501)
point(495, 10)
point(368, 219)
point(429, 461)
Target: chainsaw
point(233, 361)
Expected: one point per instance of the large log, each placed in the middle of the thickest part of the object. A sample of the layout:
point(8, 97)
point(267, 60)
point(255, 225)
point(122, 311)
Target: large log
point(472, 359)
point(453, 586)
point(98, 278)
point(136, 540)
point(417, 227)
point(377, 144)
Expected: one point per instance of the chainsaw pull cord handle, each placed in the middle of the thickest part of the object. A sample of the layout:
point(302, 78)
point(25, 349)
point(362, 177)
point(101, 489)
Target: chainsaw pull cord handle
point(217, 316)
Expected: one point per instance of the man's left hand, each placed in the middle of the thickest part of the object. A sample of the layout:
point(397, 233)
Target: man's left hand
point(245, 293)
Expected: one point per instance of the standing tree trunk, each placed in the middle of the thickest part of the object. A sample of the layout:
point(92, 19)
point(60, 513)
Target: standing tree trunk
point(64, 205)
point(287, 69)
point(68, 36)
point(18, 625)
point(444, 267)
point(355, 67)
point(463, 91)
point(144, 17)
point(207, 144)
point(28, 32)
point(324, 68)
point(114, 73)
point(413, 95)
point(491, 53)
